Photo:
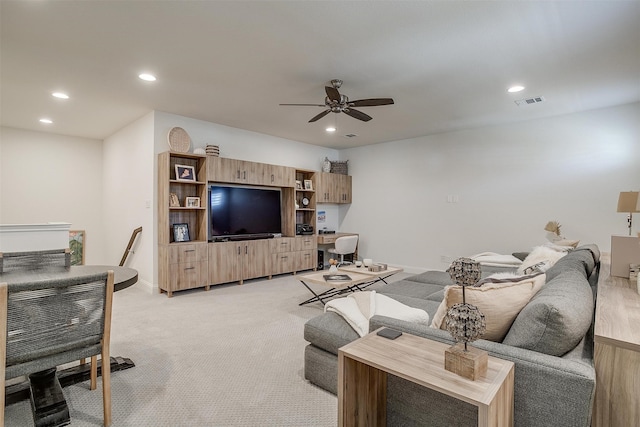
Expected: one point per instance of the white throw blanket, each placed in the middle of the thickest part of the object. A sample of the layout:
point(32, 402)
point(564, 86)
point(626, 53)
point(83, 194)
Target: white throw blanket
point(496, 260)
point(357, 308)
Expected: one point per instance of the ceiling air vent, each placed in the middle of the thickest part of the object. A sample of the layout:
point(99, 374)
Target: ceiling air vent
point(530, 101)
point(350, 135)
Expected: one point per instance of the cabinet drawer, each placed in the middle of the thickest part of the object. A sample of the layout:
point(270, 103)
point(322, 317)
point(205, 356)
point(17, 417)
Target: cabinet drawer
point(282, 244)
point(187, 253)
point(188, 275)
point(283, 262)
point(306, 243)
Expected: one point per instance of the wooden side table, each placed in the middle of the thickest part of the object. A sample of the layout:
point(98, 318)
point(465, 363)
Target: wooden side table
point(363, 366)
point(616, 351)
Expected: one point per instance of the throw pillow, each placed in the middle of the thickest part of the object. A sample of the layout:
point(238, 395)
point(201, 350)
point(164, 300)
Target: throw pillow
point(540, 260)
point(499, 302)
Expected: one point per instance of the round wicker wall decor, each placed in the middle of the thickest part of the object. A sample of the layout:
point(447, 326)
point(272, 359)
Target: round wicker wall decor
point(179, 140)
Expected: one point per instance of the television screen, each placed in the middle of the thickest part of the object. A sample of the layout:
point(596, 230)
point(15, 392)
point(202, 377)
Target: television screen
point(239, 211)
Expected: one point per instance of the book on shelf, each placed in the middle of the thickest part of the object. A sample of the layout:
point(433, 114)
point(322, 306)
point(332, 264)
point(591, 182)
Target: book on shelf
point(336, 277)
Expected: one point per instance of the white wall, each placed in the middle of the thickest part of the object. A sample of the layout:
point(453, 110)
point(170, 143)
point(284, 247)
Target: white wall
point(127, 193)
point(510, 180)
point(47, 178)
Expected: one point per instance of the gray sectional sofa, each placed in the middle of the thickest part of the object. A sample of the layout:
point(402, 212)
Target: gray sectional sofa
point(550, 343)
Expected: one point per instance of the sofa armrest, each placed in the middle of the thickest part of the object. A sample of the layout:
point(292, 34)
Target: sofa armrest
point(549, 390)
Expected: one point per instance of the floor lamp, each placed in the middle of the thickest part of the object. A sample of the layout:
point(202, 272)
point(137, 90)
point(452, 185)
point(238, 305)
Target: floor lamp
point(629, 203)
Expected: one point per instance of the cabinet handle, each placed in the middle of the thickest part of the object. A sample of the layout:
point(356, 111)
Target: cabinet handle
point(272, 178)
point(238, 173)
point(244, 174)
point(189, 250)
point(307, 255)
point(284, 257)
point(246, 250)
point(238, 250)
point(190, 268)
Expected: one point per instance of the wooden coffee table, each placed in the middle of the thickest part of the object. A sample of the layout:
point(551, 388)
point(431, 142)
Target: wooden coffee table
point(356, 283)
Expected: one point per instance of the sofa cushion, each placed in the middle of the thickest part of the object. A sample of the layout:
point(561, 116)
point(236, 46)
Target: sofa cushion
point(540, 259)
point(441, 278)
point(329, 331)
point(410, 288)
point(557, 318)
point(499, 302)
point(427, 305)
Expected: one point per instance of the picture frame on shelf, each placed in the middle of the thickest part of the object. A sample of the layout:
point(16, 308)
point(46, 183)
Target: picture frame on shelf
point(174, 202)
point(185, 173)
point(298, 184)
point(192, 202)
point(308, 184)
point(181, 232)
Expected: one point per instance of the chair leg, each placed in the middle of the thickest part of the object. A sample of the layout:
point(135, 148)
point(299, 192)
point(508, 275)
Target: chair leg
point(94, 373)
point(106, 386)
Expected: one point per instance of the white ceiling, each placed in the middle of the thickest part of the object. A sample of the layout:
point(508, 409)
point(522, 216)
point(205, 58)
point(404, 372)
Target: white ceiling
point(446, 64)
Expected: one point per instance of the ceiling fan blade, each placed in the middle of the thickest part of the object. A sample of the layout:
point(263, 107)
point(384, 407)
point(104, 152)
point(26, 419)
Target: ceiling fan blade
point(371, 102)
point(357, 114)
point(306, 105)
point(332, 93)
point(319, 116)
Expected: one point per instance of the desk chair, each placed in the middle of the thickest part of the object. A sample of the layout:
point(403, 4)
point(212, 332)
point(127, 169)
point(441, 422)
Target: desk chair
point(344, 246)
point(48, 323)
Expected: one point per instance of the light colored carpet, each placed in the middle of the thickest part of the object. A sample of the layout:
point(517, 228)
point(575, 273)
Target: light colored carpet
point(232, 356)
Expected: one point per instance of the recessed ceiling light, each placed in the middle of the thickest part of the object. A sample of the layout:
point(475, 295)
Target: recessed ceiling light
point(516, 88)
point(46, 121)
point(147, 77)
point(330, 129)
point(60, 95)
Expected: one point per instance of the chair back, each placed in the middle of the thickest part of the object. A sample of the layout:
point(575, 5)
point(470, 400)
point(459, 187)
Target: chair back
point(52, 322)
point(34, 260)
point(346, 244)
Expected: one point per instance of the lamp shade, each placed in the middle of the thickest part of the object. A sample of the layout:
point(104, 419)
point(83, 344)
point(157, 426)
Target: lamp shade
point(629, 202)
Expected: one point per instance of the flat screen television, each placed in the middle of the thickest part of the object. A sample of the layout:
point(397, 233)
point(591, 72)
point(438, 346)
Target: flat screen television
point(237, 212)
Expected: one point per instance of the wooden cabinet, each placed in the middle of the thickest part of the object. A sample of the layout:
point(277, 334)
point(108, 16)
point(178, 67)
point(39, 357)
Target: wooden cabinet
point(333, 188)
point(221, 169)
point(182, 265)
point(238, 261)
point(293, 254)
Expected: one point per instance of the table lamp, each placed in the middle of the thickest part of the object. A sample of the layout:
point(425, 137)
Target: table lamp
point(629, 203)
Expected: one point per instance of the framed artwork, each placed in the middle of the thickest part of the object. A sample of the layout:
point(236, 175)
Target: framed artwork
point(181, 232)
point(77, 246)
point(192, 202)
point(298, 184)
point(308, 185)
point(174, 202)
point(185, 173)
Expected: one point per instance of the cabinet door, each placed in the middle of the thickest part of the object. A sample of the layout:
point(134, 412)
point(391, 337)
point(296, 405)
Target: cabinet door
point(283, 262)
point(279, 176)
point(188, 275)
point(305, 260)
point(305, 243)
point(225, 262)
point(256, 259)
point(221, 169)
point(333, 188)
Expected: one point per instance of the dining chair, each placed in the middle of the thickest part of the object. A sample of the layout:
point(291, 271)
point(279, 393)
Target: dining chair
point(344, 245)
point(34, 260)
point(48, 323)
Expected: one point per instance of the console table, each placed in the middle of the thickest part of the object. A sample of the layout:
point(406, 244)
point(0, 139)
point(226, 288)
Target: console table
point(616, 350)
point(363, 366)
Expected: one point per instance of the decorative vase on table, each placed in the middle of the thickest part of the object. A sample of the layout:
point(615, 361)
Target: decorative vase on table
point(466, 324)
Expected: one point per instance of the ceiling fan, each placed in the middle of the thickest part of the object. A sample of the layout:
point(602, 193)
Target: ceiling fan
point(337, 103)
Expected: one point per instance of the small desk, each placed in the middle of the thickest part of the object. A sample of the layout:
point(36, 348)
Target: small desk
point(363, 366)
point(330, 239)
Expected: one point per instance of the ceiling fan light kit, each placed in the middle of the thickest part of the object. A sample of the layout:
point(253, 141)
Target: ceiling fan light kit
point(335, 102)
